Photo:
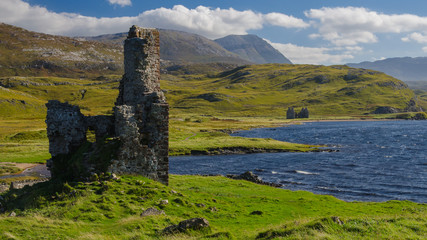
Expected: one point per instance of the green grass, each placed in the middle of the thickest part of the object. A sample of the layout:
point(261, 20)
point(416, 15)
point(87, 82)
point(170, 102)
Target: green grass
point(214, 142)
point(8, 169)
point(204, 107)
point(193, 133)
point(111, 210)
point(352, 228)
point(268, 89)
point(248, 91)
point(25, 147)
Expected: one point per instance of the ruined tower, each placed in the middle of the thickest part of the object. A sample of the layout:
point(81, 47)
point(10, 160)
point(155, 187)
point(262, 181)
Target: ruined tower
point(139, 124)
point(141, 111)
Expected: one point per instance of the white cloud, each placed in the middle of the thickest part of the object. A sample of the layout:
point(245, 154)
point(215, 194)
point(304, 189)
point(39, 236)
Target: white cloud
point(425, 49)
point(36, 18)
point(417, 37)
point(311, 55)
point(351, 25)
point(282, 20)
point(210, 22)
point(121, 2)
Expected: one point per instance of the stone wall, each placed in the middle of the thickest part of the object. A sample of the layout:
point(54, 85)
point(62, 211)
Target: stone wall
point(66, 127)
point(141, 112)
point(19, 184)
point(140, 121)
point(291, 114)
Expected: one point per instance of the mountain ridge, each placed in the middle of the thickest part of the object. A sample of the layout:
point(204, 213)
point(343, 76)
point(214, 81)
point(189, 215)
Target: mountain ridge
point(404, 68)
point(27, 53)
point(252, 48)
point(178, 47)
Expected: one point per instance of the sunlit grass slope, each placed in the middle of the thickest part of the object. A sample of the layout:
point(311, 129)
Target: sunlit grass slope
point(268, 89)
point(256, 90)
point(234, 209)
point(204, 107)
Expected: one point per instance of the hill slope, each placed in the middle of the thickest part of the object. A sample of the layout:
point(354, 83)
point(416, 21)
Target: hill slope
point(257, 90)
point(235, 209)
point(252, 48)
point(269, 89)
point(26, 53)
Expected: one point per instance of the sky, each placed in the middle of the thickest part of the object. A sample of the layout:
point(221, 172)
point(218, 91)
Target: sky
point(323, 32)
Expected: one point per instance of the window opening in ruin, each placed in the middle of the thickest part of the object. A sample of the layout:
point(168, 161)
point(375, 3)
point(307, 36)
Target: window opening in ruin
point(90, 135)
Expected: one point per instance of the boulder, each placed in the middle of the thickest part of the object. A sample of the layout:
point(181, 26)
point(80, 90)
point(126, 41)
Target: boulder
point(257, 213)
point(190, 224)
point(152, 212)
point(251, 177)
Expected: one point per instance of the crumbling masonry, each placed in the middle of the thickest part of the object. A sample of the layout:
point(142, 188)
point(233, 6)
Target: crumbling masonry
point(140, 121)
point(291, 114)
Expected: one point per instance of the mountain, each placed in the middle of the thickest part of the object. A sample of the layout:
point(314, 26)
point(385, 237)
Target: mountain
point(26, 53)
point(406, 68)
point(177, 47)
point(252, 48)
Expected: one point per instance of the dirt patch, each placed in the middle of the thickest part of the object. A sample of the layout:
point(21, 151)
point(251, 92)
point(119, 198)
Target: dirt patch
point(21, 166)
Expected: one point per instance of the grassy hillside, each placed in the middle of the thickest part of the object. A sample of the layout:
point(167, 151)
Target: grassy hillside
point(257, 90)
point(26, 53)
point(267, 90)
point(204, 107)
point(235, 210)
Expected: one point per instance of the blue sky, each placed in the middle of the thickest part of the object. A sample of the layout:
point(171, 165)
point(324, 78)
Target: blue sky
point(306, 31)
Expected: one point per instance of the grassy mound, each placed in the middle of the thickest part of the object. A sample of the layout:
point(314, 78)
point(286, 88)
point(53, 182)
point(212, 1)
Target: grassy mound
point(235, 209)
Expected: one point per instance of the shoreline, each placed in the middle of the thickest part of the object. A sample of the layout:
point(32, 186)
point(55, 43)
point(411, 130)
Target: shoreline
point(349, 120)
point(246, 150)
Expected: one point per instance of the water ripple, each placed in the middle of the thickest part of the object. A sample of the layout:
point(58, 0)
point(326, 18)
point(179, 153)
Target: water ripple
point(378, 161)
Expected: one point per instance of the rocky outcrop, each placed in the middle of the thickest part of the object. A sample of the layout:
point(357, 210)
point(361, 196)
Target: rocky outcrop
point(385, 110)
point(196, 224)
point(19, 184)
point(152, 212)
point(251, 177)
point(412, 106)
point(420, 116)
point(140, 121)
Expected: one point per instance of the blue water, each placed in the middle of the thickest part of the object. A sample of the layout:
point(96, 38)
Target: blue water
point(377, 160)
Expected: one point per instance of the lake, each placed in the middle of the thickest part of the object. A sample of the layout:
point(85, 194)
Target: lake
point(377, 160)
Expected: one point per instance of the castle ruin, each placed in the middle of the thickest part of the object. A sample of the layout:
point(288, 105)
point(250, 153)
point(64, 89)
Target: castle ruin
point(139, 123)
point(291, 114)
